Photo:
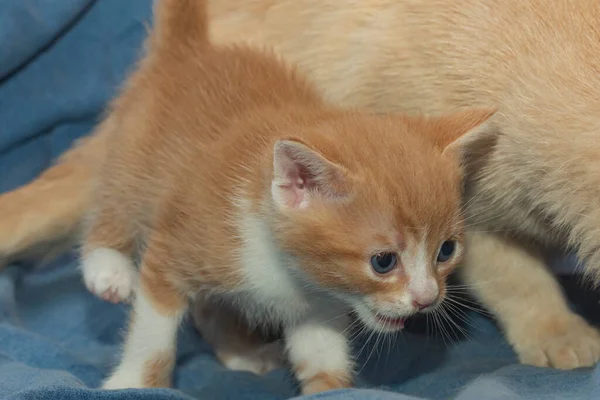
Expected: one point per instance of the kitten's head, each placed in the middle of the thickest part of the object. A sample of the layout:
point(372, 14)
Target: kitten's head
point(371, 209)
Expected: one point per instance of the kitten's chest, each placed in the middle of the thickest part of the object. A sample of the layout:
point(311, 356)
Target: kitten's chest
point(270, 292)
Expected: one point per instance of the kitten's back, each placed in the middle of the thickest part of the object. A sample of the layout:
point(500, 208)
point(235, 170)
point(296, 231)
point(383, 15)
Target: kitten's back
point(188, 91)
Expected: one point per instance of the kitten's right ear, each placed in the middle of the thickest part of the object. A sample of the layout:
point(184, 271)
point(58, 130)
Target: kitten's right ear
point(462, 128)
point(301, 175)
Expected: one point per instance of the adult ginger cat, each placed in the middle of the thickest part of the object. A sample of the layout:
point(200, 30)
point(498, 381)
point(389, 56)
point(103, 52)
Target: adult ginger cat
point(538, 185)
point(234, 180)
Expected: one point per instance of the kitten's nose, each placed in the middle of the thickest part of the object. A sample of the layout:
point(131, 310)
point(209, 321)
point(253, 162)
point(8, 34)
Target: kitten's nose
point(423, 292)
point(420, 306)
point(425, 296)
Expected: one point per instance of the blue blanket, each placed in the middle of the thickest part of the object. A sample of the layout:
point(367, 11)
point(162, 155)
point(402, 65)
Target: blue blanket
point(60, 61)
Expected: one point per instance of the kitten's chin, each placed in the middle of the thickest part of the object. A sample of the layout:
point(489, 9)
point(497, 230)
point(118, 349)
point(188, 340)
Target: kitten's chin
point(379, 322)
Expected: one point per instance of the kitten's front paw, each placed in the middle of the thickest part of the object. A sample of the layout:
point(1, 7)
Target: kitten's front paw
point(109, 275)
point(564, 343)
point(122, 381)
point(325, 381)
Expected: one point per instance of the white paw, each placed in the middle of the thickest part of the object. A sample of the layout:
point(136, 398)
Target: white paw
point(109, 274)
point(119, 380)
point(263, 360)
point(564, 345)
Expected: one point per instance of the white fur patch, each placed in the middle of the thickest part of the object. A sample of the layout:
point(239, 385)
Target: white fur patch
point(262, 360)
point(422, 285)
point(318, 347)
point(109, 274)
point(150, 334)
point(314, 321)
point(273, 290)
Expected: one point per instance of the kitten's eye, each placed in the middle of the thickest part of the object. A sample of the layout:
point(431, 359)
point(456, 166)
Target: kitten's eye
point(446, 251)
point(383, 263)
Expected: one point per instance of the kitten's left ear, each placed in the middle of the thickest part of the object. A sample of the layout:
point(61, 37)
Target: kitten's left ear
point(301, 175)
point(460, 129)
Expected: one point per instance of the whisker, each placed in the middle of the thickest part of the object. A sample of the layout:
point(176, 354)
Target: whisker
point(440, 326)
point(457, 296)
point(471, 200)
point(499, 230)
point(467, 225)
point(462, 316)
point(373, 331)
point(427, 329)
point(349, 328)
point(462, 330)
point(476, 284)
point(467, 306)
point(479, 212)
point(334, 318)
point(366, 342)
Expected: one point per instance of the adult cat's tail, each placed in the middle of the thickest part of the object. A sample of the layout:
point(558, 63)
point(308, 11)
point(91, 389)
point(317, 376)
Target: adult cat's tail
point(46, 214)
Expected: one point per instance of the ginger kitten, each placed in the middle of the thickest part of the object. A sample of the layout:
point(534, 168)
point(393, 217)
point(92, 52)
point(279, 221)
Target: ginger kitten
point(239, 183)
point(537, 185)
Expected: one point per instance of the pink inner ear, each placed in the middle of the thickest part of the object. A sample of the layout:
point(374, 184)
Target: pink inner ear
point(294, 188)
point(299, 174)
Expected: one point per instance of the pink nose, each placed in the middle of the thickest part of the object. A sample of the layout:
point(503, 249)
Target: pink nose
point(420, 306)
point(424, 294)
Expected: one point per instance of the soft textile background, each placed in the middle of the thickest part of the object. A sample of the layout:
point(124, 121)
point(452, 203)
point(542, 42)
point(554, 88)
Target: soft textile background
point(60, 61)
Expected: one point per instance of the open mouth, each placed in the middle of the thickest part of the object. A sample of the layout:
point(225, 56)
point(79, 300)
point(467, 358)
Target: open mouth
point(390, 322)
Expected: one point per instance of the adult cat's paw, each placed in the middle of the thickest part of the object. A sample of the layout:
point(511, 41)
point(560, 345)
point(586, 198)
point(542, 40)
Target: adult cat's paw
point(564, 343)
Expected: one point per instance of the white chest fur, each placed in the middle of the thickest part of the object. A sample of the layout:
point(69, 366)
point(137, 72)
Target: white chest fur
point(271, 290)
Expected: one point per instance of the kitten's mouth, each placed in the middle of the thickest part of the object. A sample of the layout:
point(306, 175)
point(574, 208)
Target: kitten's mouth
point(379, 322)
point(390, 323)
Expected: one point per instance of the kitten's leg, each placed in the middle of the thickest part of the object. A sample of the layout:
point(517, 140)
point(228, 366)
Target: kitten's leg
point(148, 357)
point(108, 269)
point(519, 289)
point(237, 346)
point(320, 354)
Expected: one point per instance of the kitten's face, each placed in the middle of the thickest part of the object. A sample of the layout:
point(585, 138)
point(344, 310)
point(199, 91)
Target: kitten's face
point(391, 271)
point(386, 259)
point(382, 232)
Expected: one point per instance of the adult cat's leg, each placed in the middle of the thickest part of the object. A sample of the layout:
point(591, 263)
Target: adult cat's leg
point(148, 357)
point(517, 287)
